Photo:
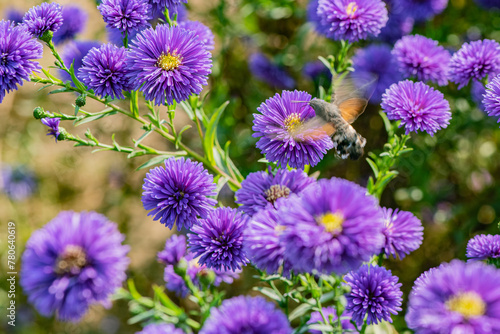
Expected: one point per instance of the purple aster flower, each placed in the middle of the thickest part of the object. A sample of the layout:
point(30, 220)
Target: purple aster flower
point(317, 318)
point(317, 71)
point(422, 58)
point(314, 19)
point(175, 250)
point(76, 260)
point(403, 233)
point(278, 123)
point(417, 106)
point(475, 60)
point(126, 15)
point(104, 70)
point(488, 3)
point(168, 64)
point(244, 314)
point(174, 282)
point(17, 182)
point(18, 50)
point(376, 61)
point(477, 90)
point(204, 33)
point(74, 21)
point(352, 19)
point(178, 193)
point(374, 292)
point(46, 17)
point(398, 25)
point(265, 70)
point(161, 329)
point(53, 124)
point(260, 189)
point(333, 226)
point(457, 297)
point(422, 10)
point(73, 53)
point(172, 5)
point(483, 246)
point(14, 15)
point(491, 100)
point(218, 240)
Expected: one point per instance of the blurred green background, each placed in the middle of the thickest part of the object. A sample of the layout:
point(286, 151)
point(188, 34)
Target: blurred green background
point(449, 180)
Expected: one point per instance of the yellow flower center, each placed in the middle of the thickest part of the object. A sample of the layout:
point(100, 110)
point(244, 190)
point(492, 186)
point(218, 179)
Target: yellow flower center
point(292, 122)
point(468, 304)
point(169, 61)
point(276, 191)
point(351, 9)
point(332, 222)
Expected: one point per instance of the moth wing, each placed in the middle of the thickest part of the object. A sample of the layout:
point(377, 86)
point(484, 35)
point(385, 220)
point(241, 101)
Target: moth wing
point(351, 109)
point(315, 127)
point(351, 93)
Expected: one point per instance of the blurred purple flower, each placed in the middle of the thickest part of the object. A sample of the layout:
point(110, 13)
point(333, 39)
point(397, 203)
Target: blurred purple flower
point(17, 182)
point(403, 233)
point(178, 193)
point(376, 61)
point(18, 51)
point(279, 124)
point(314, 19)
point(73, 53)
point(399, 24)
point(46, 17)
point(14, 15)
point(317, 318)
point(422, 58)
point(317, 71)
point(172, 5)
point(174, 251)
point(168, 64)
point(352, 20)
point(53, 124)
point(422, 10)
point(265, 70)
point(488, 3)
point(260, 189)
point(374, 292)
point(115, 36)
point(456, 297)
point(174, 282)
point(491, 99)
point(76, 260)
point(204, 33)
point(417, 106)
point(126, 15)
point(475, 60)
point(331, 227)
point(104, 70)
point(245, 314)
point(161, 328)
point(483, 246)
point(218, 240)
point(477, 90)
point(74, 21)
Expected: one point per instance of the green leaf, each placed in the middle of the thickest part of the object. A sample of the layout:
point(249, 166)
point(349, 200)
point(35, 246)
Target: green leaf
point(144, 135)
point(179, 135)
point(93, 117)
point(269, 293)
point(154, 161)
point(60, 90)
point(299, 311)
point(211, 132)
point(141, 317)
point(77, 82)
point(373, 166)
point(387, 123)
point(165, 300)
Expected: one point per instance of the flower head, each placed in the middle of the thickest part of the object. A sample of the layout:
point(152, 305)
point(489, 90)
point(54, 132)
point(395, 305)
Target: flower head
point(422, 10)
point(374, 292)
point(18, 50)
point(331, 227)
point(175, 250)
point(244, 314)
point(104, 70)
point(204, 33)
point(76, 260)
point(483, 246)
point(279, 126)
point(475, 60)
point(126, 15)
point(317, 318)
point(218, 240)
point(160, 329)
point(53, 124)
point(265, 70)
point(456, 297)
point(491, 100)
point(74, 21)
point(376, 61)
point(398, 25)
point(403, 233)
point(168, 64)
point(178, 193)
point(46, 17)
point(260, 189)
point(422, 58)
point(352, 19)
point(73, 53)
point(17, 182)
point(417, 106)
